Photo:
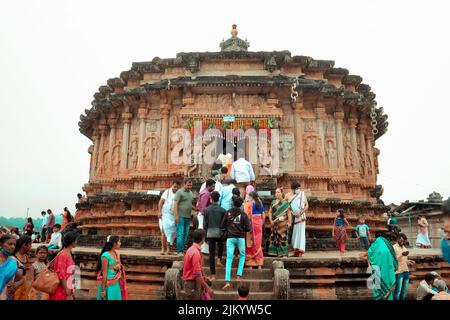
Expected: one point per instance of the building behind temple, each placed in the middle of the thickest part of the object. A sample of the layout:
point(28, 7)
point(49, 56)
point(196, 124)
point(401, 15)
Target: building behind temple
point(407, 214)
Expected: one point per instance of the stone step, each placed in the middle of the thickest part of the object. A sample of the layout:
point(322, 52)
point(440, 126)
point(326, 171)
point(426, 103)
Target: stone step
point(253, 274)
point(233, 295)
point(260, 285)
point(296, 283)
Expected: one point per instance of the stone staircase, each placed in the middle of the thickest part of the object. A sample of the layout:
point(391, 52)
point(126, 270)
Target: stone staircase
point(261, 282)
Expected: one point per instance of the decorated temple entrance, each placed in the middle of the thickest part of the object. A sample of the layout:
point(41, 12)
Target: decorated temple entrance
point(227, 138)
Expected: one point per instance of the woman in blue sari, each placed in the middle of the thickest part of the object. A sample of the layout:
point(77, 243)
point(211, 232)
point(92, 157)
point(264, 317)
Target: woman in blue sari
point(383, 262)
point(8, 266)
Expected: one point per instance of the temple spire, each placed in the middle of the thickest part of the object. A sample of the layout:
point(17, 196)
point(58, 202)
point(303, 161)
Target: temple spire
point(234, 43)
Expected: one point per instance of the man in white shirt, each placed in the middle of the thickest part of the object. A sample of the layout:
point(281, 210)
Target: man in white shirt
point(44, 225)
point(242, 172)
point(424, 290)
point(167, 219)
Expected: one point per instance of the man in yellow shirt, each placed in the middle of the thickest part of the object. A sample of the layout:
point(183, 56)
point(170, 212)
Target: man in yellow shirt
point(402, 273)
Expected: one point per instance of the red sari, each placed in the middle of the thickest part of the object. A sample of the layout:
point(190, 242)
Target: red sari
point(64, 267)
point(254, 256)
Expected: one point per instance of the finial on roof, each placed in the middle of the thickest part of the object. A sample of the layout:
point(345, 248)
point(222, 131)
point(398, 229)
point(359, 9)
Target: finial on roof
point(234, 31)
point(234, 43)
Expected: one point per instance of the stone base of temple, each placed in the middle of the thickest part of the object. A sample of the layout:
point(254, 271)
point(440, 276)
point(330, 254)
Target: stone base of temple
point(154, 242)
point(317, 275)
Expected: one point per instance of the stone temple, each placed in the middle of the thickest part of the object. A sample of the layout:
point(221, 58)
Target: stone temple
point(327, 122)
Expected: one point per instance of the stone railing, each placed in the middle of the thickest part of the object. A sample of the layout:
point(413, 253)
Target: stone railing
point(280, 281)
point(172, 281)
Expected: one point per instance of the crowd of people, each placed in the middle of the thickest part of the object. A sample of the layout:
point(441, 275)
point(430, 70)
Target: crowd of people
point(390, 273)
point(231, 216)
point(22, 279)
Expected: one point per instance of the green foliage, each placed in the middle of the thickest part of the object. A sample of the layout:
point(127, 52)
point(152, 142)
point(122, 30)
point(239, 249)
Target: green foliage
point(271, 122)
point(20, 222)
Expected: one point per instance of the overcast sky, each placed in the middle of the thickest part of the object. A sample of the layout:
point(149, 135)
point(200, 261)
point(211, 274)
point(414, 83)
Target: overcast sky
point(55, 54)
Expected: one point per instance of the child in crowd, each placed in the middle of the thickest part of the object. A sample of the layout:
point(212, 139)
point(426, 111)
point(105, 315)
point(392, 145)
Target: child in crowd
point(205, 294)
point(243, 291)
point(363, 234)
point(56, 237)
point(37, 267)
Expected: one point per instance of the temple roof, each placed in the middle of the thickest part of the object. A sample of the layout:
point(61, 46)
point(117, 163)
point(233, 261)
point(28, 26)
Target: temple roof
point(235, 49)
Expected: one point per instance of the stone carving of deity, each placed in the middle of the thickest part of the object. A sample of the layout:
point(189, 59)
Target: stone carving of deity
point(369, 165)
point(177, 147)
point(310, 126)
point(362, 161)
point(151, 147)
point(176, 123)
point(286, 145)
point(132, 154)
point(319, 153)
point(348, 151)
point(116, 158)
point(101, 166)
point(309, 150)
point(105, 161)
point(331, 154)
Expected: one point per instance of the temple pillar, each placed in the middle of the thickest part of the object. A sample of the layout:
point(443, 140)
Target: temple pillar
point(126, 118)
point(96, 140)
point(142, 114)
point(165, 110)
point(112, 121)
point(339, 116)
point(298, 136)
point(352, 125)
point(321, 115)
point(362, 142)
point(101, 149)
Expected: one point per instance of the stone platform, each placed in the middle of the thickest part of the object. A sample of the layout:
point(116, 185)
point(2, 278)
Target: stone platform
point(316, 275)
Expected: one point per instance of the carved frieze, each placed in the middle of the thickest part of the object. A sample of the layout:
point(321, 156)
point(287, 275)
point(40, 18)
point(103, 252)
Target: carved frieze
point(312, 145)
point(287, 152)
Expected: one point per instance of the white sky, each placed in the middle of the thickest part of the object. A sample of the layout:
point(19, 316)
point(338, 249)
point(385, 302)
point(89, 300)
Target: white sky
point(55, 54)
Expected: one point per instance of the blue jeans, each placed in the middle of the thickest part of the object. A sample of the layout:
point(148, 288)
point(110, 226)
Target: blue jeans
point(232, 243)
point(401, 286)
point(364, 243)
point(182, 233)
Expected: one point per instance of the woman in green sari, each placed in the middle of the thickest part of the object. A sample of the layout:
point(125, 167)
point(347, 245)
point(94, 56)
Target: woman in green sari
point(111, 278)
point(280, 219)
point(383, 262)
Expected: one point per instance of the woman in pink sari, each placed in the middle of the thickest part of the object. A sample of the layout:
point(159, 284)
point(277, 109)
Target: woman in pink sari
point(254, 256)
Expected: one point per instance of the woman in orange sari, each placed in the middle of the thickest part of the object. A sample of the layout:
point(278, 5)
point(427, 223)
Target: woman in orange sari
point(254, 256)
point(112, 284)
point(22, 287)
